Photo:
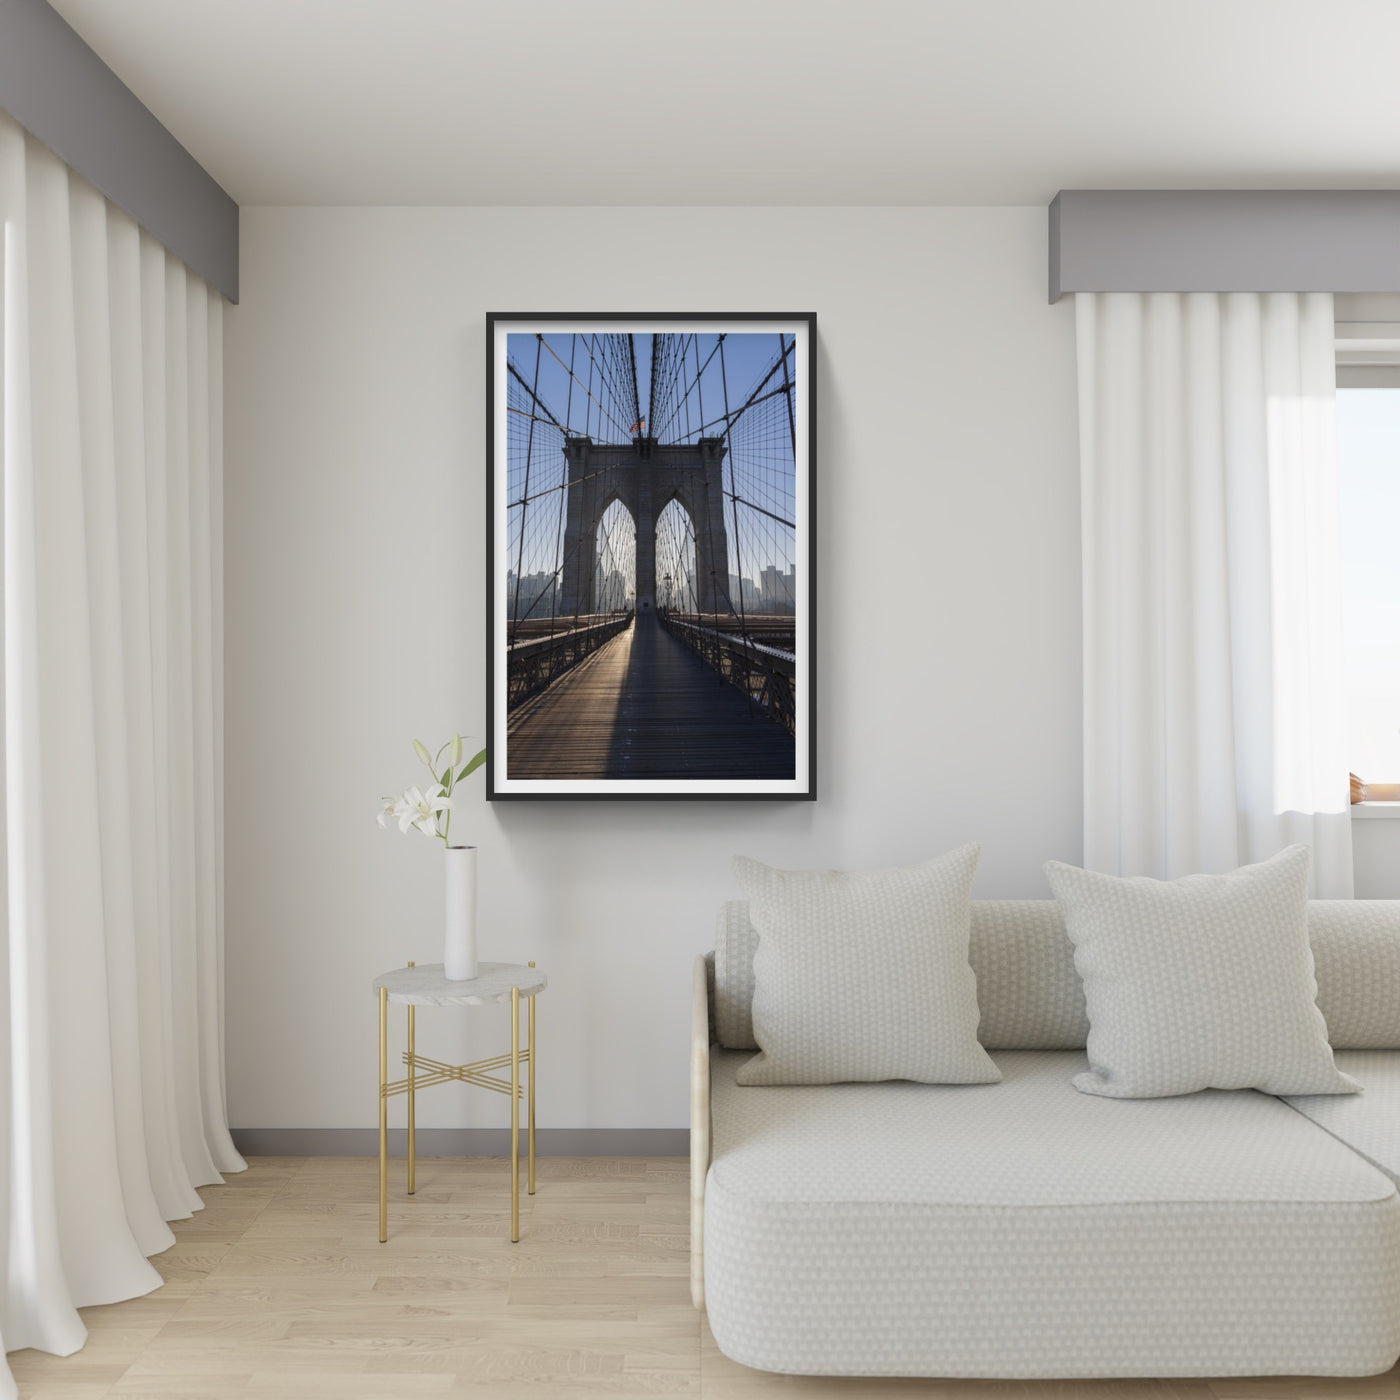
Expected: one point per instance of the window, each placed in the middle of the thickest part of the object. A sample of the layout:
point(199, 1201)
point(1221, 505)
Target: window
point(1368, 450)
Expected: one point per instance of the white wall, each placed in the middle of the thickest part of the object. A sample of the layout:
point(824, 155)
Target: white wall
point(1376, 857)
point(948, 700)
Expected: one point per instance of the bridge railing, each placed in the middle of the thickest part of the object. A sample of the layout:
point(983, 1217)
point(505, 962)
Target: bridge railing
point(533, 662)
point(767, 674)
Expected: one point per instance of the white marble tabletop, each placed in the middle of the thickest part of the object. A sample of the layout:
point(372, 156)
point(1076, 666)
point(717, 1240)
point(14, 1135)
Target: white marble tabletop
point(425, 985)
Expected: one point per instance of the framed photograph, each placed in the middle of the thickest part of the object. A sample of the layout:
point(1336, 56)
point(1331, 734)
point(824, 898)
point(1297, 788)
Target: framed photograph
point(650, 582)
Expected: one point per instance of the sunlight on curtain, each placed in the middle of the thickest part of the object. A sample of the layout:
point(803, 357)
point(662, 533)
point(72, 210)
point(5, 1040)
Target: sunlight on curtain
point(1214, 728)
point(111, 1088)
point(1309, 727)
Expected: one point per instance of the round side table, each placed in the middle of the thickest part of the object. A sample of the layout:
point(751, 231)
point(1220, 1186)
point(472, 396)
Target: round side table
point(415, 986)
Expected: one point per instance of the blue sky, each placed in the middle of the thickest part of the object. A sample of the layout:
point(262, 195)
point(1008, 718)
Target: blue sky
point(747, 357)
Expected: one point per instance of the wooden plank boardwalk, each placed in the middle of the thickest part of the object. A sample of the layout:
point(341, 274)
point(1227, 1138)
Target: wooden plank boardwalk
point(645, 706)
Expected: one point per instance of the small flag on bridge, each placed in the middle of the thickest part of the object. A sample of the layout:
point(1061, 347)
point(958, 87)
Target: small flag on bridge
point(640, 426)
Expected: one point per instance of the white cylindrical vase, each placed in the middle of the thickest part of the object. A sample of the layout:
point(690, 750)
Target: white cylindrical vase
point(459, 940)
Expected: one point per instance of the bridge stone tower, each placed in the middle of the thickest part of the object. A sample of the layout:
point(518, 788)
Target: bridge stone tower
point(646, 476)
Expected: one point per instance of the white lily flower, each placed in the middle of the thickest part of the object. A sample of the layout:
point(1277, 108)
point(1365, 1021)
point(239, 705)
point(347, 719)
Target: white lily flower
point(419, 809)
point(422, 808)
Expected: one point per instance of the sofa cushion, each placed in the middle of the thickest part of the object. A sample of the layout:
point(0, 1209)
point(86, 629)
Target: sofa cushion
point(1356, 950)
point(1027, 987)
point(1368, 1122)
point(736, 941)
point(1205, 982)
point(863, 975)
point(1026, 1230)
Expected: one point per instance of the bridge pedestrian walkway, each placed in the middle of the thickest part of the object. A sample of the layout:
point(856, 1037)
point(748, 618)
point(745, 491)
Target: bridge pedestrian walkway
point(644, 705)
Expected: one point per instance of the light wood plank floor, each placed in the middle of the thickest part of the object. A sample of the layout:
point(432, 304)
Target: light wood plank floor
point(280, 1288)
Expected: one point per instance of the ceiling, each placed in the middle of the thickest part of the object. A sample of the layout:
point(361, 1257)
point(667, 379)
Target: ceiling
point(759, 101)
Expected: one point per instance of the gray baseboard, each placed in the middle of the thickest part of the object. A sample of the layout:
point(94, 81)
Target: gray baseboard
point(462, 1142)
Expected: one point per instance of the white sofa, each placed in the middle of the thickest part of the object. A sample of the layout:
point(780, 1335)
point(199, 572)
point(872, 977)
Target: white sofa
point(1026, 1230)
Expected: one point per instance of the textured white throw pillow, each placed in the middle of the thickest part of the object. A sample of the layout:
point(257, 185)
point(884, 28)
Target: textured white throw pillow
point(863, 975)
point(1200, 983)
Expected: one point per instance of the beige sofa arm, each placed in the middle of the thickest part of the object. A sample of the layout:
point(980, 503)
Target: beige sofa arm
point(699, 1125)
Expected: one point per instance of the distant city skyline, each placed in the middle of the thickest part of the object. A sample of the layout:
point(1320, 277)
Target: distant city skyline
point(775, 592)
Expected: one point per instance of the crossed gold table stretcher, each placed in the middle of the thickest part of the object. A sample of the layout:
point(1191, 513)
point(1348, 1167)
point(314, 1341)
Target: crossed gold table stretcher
point(427, 986)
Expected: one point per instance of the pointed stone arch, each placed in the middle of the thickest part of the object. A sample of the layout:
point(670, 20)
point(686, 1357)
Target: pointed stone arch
point(611, 580)
point(677, 578)
point(645, 476)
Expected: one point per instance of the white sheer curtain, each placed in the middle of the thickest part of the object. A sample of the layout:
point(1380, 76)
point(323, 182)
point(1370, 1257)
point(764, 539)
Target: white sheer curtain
point(1213, 708)
point(111, 1089)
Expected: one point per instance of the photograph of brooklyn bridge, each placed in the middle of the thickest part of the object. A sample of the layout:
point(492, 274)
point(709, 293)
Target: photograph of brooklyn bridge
point(652, 593)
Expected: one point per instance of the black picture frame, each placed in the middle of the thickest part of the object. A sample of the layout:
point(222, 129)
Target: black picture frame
point(777, 688)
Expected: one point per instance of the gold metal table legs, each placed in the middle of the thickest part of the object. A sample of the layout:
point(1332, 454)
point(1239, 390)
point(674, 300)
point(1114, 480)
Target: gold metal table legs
point(530, 1048)
point(383, 1114)
point(412, 1103)
point(424, 1072)
point(515, 1058)
point(515, 1115)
